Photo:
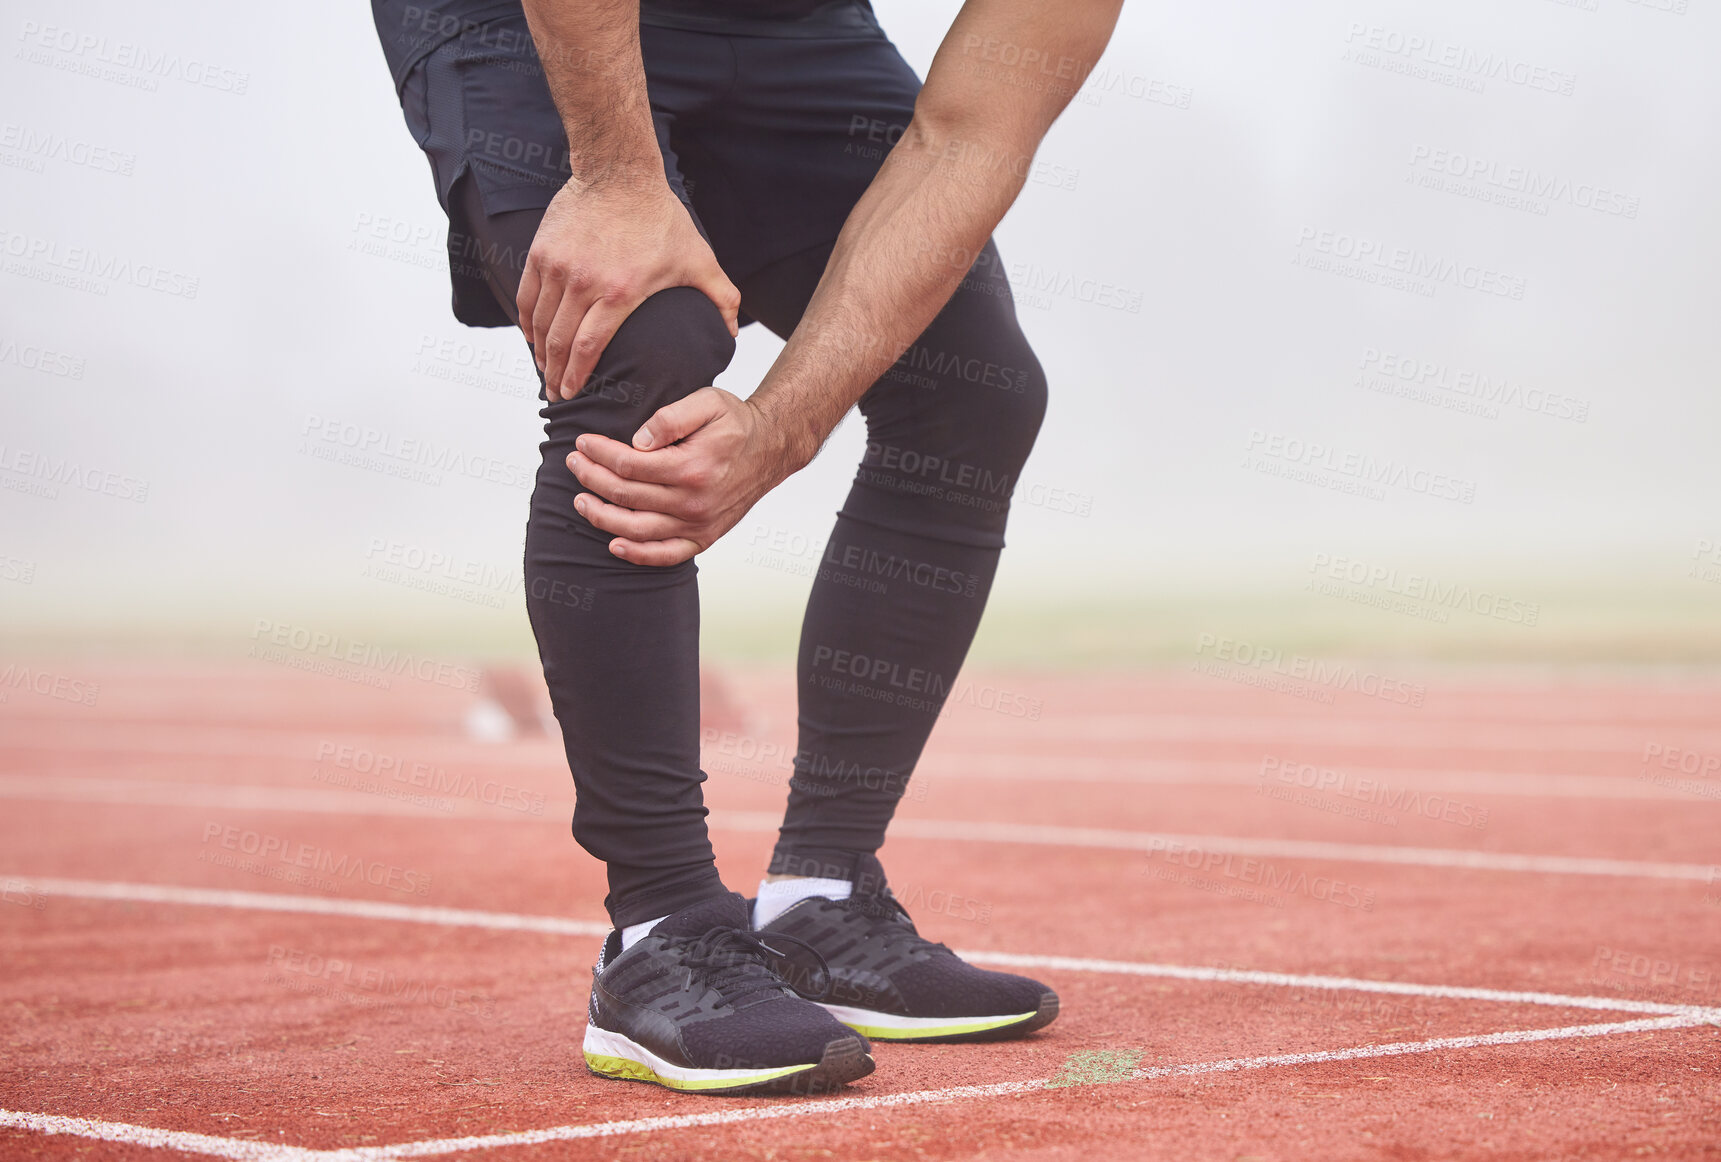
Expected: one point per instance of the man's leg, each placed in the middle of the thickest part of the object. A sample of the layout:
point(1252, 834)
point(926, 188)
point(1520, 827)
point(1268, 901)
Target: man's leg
point(619, 642)
point(894, 606)
point(692, 1002)
point(683, 995)
point(805, 126)
point(898, 596)
point(905, 576)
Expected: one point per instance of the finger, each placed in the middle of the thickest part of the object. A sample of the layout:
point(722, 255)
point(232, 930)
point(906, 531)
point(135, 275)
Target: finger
point(526, 299)
point(602, 319)
point(659, 553)
point(664, 466)
point(544, 311)
point(627, 522)
point(627, 493)
point(679, 420)
point(559, 344)
point(709, 277)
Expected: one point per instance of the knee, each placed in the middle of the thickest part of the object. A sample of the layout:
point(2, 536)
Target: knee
point(1006, 416)
point(1028, 410)
point(673, 344)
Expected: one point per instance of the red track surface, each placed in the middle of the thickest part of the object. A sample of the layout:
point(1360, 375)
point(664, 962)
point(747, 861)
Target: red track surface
point(229, 1020)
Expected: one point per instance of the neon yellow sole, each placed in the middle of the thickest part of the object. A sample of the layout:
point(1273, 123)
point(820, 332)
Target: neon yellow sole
point(622, 1067)
point(898, 1033)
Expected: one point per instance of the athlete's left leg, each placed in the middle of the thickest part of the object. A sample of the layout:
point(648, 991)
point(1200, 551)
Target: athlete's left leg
point(894, 606)
point(910, 563)
point(903, 581)
point(906, 574)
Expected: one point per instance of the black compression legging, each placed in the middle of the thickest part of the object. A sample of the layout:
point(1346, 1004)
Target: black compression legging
point(895, 603)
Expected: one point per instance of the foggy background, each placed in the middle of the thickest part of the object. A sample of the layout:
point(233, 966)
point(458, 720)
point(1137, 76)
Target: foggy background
point(1186, 259)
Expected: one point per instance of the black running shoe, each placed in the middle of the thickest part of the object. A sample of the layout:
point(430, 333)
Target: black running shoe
point(695, 1005)
point(890, 983)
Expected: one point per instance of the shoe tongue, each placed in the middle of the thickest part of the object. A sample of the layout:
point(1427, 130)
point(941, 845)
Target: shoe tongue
point(726, 911)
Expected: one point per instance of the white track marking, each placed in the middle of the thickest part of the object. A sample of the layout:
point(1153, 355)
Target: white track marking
point(1435, 1045)
point(277, 902)
point(249, 744)
point(1426, 731)
point(246, 797)
point(355, 803)
point(1343, 983)
point(105, 788)
point(1011, 768)
point(1035, 833)
point(236, 1148)
point(262, 1152)
point(462, 918)
point(1017, 767)
point(1403, 733)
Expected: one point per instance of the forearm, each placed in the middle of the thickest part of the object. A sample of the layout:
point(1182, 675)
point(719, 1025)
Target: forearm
point(902, 253)
point(910, 240)
point(616, 233)
point(590, 54)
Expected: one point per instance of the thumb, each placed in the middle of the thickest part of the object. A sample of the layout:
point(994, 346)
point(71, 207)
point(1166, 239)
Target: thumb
point(709, 277)
point(678, 420)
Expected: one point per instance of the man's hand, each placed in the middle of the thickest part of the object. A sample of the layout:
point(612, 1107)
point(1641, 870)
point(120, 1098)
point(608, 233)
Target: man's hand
point(698, 465)
point(615, 234)
point(692, 473)
point(601, 250)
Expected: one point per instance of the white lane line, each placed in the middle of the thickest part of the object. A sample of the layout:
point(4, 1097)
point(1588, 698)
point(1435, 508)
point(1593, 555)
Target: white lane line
point(463, 918)
point(1435, 1045)
point(1001, 1089)
point(1434, 735)
point(293, 744)
point(1426, 731)
point(344, 803)
point(1150, 841)
point(276, 902)
point(1017, 767)
point(187, 1143)
point(168, 793)
point(1342, 983)
point(967, 768)
point(264, 1152)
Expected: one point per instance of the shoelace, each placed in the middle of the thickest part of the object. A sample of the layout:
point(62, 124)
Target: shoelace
point(738, 964)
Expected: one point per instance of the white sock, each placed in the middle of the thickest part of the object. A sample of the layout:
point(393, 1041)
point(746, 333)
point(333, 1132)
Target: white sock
point(634, 931)
point(778, 896)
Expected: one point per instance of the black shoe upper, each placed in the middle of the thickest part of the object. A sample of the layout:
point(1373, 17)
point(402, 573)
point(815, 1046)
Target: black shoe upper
point(878, 960)
point(699, 991)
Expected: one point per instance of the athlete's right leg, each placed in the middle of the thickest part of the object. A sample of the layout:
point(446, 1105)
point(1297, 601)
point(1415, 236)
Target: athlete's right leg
point(695, 1002)
point(619, 642)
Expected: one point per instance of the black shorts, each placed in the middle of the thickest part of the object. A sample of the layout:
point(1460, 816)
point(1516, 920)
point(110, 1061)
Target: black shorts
point(768, 140)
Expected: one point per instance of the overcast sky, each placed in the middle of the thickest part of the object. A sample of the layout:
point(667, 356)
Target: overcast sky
point(1468, 247)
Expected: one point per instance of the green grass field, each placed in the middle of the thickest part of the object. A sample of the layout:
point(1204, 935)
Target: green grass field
point(1666, 624)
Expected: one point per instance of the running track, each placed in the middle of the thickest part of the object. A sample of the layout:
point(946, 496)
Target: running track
point(255, 913)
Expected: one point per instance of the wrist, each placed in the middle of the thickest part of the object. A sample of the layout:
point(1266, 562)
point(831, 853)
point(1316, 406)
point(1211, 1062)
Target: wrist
point(627, 175)
point(624, 156)
point(791, 438)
